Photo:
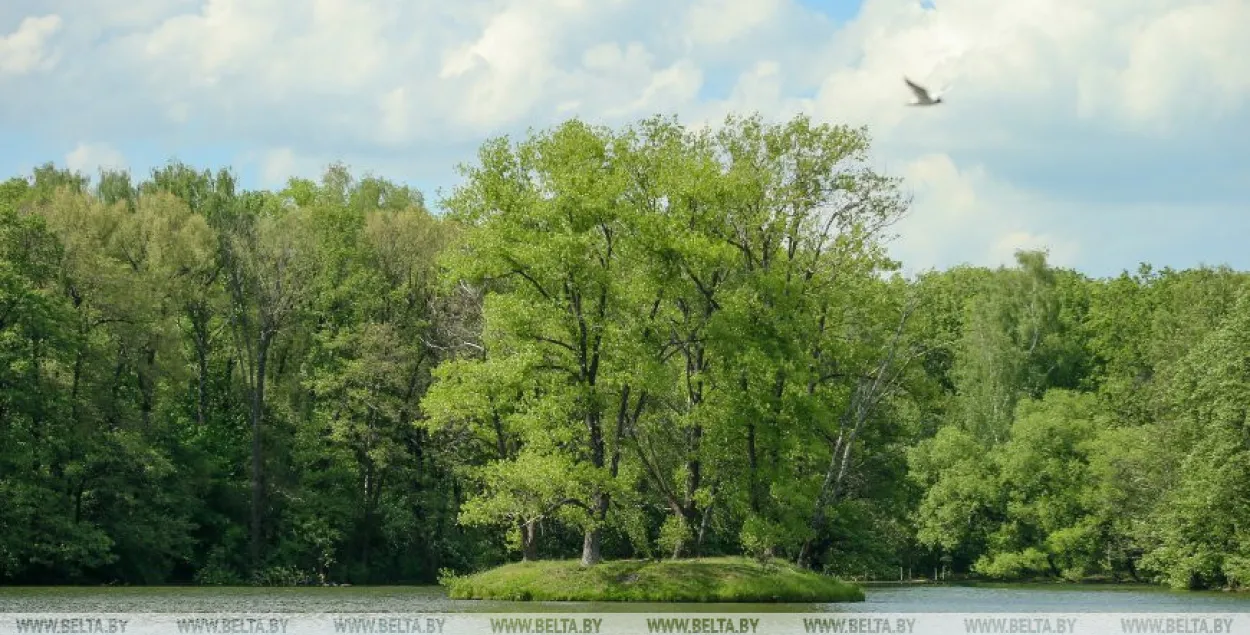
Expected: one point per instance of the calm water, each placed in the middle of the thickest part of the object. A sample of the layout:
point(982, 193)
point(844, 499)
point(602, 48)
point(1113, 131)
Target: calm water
point(932, 599)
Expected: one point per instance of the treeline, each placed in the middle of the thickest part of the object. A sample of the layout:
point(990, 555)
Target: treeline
point(641, 342)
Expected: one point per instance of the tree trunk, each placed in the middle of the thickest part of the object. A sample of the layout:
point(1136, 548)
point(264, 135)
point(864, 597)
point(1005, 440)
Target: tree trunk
point(839, 459)
point(753, 466)
point(590, 547)
point(834, 472)
point(366, 530)
point(79, 488)
point(258, 490)
point(705, 522)
point(147, 387)
point(593, 538)
point(863, 399)
point(199, 324)
point(690, 517)
point(76, 382)
point(599, 508)
point(529, 540)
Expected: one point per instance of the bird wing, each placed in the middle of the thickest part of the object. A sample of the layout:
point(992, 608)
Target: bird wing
point(921, 93)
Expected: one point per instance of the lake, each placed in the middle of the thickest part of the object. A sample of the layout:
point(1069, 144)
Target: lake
point(979, 598)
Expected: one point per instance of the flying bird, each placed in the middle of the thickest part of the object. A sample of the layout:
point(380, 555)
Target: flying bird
point(923, 98)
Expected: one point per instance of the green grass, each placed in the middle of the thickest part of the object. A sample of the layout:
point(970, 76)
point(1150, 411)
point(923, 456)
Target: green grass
point(701, 580)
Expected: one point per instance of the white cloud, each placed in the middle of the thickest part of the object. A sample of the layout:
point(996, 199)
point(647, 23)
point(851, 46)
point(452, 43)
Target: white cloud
point(407, 70)
point(178, 112)
point(724, 21)
point(1192, 61)
point(1146, 63)
point(277, 166)
point(760, 88)
point(965, 216)
point(90, 158)
point(506, 65)
point(1045, 92)
point(393, 108)
point(24, 50)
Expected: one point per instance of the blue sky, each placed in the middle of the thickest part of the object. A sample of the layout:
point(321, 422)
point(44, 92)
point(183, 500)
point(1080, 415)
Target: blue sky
point(1096, 130)
point(834, 9)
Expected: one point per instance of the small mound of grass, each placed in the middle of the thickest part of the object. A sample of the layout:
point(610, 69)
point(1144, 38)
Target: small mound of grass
point(701, 580)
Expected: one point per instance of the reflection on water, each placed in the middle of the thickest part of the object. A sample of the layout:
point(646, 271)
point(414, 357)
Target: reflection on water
point(1046, 598)
point(912, 599)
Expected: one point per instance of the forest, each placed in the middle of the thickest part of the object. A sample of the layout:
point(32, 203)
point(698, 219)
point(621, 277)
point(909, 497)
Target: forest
point(651, 341)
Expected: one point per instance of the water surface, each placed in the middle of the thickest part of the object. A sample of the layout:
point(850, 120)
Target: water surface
point(980, 598)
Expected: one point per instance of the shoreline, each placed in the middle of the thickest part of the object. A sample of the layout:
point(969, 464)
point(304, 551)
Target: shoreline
point(707, 580)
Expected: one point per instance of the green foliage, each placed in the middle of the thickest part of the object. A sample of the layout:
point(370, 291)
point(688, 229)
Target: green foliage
point(217, 575)
point(705, 580)
point(279, 576)
point(762, 538)
point(132, 327)
point(675, 533)
point(637, 342)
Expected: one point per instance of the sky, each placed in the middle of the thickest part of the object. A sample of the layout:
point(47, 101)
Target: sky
point(1110, 133)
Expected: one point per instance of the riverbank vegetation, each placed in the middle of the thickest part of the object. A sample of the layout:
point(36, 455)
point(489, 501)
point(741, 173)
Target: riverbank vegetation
point(648, 342)
point(686, 580)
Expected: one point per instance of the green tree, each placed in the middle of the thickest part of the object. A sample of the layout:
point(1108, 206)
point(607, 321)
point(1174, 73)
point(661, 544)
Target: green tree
point(270, 260)
point(549, 214)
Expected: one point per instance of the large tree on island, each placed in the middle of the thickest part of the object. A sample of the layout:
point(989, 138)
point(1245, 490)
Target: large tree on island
point(631, 269)
point(547, 225)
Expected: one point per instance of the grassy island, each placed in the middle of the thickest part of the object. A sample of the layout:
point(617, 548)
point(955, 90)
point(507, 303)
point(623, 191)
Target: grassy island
point(700, 580)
